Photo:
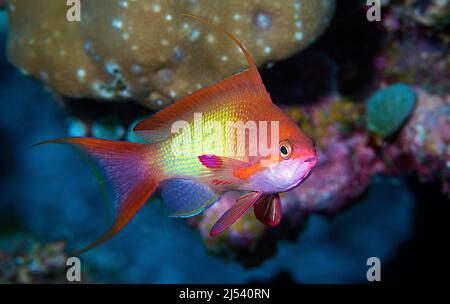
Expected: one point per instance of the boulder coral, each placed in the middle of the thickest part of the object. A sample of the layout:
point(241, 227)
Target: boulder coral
point(146, 51)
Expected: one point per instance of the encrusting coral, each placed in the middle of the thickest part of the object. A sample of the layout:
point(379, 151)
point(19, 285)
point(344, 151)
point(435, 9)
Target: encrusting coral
point(146, 51)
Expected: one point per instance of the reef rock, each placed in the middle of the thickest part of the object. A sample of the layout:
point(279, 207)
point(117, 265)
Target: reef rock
point(146, 51)
point(425, 140)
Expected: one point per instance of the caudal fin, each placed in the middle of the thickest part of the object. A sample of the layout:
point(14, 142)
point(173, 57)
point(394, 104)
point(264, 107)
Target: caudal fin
point(128, 168)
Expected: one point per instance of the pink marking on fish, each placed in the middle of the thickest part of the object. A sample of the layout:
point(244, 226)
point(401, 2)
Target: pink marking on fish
point(210, 161)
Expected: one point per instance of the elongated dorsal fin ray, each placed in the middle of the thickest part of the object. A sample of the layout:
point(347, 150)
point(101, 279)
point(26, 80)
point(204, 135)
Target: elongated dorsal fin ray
point(245, 87)
point(251, 65)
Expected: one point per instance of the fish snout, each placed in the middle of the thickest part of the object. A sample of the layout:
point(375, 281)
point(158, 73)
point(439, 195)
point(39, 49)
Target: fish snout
point(312, 161)
point(309, 164)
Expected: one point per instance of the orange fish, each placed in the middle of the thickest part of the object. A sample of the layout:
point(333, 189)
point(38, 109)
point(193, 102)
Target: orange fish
point(226, 137)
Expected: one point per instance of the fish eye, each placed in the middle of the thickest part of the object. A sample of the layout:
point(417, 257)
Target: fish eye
point(285, 149)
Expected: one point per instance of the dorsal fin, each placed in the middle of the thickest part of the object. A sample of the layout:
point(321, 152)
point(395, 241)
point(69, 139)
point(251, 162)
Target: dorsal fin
point(247, 86)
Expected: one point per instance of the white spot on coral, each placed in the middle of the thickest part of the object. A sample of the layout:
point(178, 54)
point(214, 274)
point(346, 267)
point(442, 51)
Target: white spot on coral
point(262, 20)
point(112, 68)
point(165, 75)
point(267, 49)
point(101, 90)
point(224, 58)
point(178, 53)
point(210, 38)
point(172, 93)
point(298, 24)
point(297, 5)
point(81, 73)
point(123, 3)
point(194, 35)
point(156, 8)
point(136, 69)
point(298, 36)
point(168, 17)
point(237, 16)
point(125, 36)
point(117, 23)
point(164, 42)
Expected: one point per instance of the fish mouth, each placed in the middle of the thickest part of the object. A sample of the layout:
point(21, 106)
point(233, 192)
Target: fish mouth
point(301, 180)
point(311, 164)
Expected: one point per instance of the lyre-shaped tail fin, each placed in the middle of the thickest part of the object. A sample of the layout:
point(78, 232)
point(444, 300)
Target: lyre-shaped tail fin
point(127, 167)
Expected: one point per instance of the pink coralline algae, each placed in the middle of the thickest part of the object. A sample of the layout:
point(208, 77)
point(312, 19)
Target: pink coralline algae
point(344, 171)
point(425, 140)
point(415, 61)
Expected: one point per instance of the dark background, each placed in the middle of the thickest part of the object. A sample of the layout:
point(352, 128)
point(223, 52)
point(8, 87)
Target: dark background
point(49, 194)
